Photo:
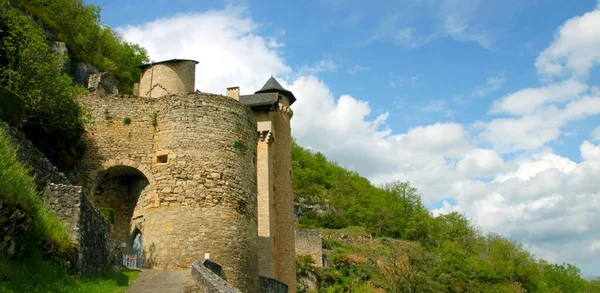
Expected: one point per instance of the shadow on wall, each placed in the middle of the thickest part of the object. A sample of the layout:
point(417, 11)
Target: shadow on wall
point(149, 259)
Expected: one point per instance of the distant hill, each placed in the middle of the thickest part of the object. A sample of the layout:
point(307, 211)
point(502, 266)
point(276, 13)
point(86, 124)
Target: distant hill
point(404, 247)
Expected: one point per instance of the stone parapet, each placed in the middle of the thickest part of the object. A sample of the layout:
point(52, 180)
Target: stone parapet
point(89, 231)
point(210, 282)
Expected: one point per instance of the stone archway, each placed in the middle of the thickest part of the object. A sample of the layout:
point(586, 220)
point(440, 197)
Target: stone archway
point(118, 193)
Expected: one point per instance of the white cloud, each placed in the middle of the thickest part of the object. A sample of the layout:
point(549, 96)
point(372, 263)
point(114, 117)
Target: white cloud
point(543, 199)
point(527, 133)
point(574, 50)
point(434, 106)
point(318, 67)
point(401, 81)
point(491, 85)
point(480, 162)
point(590, 152)
point(526, 101)
point(596, 134)
point(357, 69)
point(223, 47)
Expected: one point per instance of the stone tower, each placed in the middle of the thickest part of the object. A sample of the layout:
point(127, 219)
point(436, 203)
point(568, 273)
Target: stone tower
point(176, 173)
point(167, 77)
point(276, 238)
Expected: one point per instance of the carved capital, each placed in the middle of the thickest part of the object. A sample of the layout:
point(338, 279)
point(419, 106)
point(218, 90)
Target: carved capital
point(266, 136)
point(285, 109)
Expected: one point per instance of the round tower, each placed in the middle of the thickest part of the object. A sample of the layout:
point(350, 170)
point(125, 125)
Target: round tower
point(167, 77)
point(179, 174)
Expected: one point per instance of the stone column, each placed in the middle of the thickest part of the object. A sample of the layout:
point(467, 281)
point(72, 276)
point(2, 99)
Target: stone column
point(265, 200)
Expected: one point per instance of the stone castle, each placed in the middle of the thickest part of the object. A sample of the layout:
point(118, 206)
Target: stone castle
point(184, 175)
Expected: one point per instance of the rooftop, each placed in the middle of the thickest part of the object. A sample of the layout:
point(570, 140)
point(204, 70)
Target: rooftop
point(273, 86)
point(167, 61)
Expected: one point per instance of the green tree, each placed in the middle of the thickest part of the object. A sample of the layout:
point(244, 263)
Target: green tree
point(32, 71)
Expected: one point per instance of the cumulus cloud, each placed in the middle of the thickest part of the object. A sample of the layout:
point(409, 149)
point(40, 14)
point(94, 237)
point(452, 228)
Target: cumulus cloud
point(221, 40)
point(480, 162)
point(546, 200)
point(574, 50)
point(526, 101)
point(590, 152)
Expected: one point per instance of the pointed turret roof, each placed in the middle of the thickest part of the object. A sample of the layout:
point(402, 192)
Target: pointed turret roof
point(273, 86)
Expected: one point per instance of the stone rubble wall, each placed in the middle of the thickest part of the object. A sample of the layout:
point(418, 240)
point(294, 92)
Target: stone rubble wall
point(308, 242)
point(210, 282)
point(198, 153)
point(39, 166)
point(90, 232)
point(269, 285)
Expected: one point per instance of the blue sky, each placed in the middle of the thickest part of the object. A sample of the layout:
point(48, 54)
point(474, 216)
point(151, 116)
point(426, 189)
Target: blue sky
point(488, 107)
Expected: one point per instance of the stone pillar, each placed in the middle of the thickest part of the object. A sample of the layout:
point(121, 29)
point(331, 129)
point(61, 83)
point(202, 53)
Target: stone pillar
point(285, 266)
point(265, 201)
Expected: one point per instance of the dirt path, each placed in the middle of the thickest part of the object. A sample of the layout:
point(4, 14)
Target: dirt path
point(150, 281)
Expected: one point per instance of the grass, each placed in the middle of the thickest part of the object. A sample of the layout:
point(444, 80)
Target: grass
point(17, 186)
point(36, 275)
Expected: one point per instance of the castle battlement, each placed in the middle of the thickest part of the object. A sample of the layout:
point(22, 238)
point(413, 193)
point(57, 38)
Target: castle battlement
point(192, 175)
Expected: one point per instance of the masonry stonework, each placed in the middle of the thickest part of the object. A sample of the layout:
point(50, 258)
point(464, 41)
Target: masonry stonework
point(197, 153)
point(185, 176)
point(308, 242)
point(167, 77)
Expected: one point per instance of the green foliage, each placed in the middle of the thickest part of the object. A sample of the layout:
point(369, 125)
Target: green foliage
point(31, 70)
point(36, 275)
point(88, 40)
point(155, 120)
point(239, 147)
point(17, 186)
point(126, 120)
point(12, 107)
point(108, 213)
point(448, 253)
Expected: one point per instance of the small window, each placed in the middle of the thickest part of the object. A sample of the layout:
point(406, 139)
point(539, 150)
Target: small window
point(162, 159)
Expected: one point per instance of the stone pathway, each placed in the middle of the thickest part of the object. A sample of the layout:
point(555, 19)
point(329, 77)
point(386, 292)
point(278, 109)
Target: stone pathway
point(154, 281)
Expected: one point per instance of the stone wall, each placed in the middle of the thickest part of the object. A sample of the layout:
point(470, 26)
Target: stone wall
point(39, 167)
point(91, 234)
point(88, 230)
point(308, 242)
point(170, 77)
point(285, 265)
point(197, 152)
point(210, 282)
point(268, 285)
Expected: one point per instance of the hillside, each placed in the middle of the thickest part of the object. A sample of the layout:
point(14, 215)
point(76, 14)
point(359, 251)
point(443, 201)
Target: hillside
point(402, 247)
point(44, 46)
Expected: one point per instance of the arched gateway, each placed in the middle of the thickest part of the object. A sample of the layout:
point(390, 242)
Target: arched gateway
point(182, 172)
point(192, 174)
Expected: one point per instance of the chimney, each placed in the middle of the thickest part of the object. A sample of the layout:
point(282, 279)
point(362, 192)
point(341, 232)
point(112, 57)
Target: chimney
point(234, 92)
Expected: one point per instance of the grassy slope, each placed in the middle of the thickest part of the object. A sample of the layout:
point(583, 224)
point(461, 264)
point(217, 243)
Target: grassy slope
point(34, 274)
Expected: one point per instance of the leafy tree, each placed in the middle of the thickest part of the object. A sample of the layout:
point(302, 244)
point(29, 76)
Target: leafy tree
point(32, 71)
point(88, 40)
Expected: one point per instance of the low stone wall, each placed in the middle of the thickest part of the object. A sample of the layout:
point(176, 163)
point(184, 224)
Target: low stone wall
point(268, 285)
point(14, 222)
point(90, 232)
point(208, 281)
point(308, 242)
point(39, 167)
